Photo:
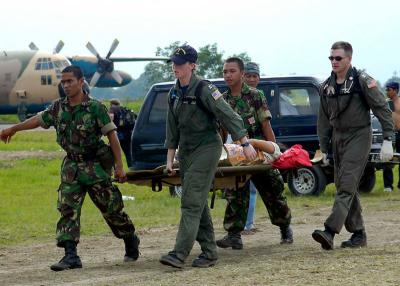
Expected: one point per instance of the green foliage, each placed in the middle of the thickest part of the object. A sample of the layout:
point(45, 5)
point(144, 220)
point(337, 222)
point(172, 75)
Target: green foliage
point(9, 118)
point(210, 62)
point(32, 141)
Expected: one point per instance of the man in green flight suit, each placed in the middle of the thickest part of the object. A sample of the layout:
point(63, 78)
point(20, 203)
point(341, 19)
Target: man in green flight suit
point(80, 122)
point(194, 107)
point(344, 121)
point(251, 105)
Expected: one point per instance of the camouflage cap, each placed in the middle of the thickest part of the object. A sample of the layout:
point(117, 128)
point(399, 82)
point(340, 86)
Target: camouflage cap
point(183, 54)
point(251, 67)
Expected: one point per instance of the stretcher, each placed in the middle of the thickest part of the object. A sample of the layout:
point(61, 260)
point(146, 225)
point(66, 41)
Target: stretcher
point(225, 176)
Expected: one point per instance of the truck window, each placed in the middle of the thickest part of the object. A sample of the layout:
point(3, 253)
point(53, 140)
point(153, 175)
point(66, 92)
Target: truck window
point(158, 112)
point(298, 101)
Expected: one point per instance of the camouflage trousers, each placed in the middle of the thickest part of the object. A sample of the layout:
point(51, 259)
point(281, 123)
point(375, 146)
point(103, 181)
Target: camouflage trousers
point(270, 186)
point(77, 179)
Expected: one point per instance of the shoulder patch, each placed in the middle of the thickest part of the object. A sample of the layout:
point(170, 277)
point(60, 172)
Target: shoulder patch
point(216, 94)
point(371, 82)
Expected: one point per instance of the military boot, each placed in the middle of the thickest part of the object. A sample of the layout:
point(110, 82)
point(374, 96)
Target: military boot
point(232, 239)
point(171, 259)
point(131, 248)
point(70, 260)
point(202, 261)
point(286, 234)
point(325, 238)
point(358, 239)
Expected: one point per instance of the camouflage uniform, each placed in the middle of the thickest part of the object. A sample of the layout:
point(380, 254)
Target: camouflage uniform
point(251, 105)
point(192, 124)
point(84, 169)
point(344, 121)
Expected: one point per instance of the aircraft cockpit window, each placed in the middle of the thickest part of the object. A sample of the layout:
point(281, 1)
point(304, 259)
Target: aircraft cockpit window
point(44, 64)
point(57, 64)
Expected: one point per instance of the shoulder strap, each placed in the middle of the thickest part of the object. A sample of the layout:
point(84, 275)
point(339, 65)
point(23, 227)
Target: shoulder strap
point(358, 89)
point(197, 94)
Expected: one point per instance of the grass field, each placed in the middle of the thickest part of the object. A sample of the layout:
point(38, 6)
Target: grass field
point(28, 196)
point(134, 105)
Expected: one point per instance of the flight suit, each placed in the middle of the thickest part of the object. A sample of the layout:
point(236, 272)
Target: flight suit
point(86, 168)
point(192, 124)
point(344, 120)
point(252, 107)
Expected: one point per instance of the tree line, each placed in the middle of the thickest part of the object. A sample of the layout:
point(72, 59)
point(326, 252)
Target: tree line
point(210, 65)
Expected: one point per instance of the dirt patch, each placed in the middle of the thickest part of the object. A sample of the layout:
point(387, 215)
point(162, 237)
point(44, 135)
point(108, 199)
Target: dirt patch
point(263, 261)
point(16, 155)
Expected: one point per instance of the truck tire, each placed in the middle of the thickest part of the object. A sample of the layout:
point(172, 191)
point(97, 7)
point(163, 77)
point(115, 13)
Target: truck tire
point(307, 181)
point(368, 179)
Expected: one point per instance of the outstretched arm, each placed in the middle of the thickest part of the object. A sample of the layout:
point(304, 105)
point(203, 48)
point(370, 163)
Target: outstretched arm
point(28, 124)
point(262, 145)
point(116, 149)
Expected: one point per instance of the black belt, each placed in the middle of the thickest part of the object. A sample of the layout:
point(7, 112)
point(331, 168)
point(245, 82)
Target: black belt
point(82, 157)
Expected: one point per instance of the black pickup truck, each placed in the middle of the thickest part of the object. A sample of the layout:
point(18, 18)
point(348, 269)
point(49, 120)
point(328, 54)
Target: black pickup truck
point(293, 101)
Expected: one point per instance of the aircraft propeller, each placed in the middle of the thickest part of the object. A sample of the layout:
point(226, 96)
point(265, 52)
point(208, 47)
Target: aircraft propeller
point(104, 65)
point(56, 50)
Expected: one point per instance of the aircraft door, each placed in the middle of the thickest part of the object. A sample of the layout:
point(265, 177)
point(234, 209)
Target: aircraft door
point(8, 76)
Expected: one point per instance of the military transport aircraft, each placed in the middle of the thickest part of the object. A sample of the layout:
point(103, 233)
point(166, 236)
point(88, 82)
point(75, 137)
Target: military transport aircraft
point(30, 80)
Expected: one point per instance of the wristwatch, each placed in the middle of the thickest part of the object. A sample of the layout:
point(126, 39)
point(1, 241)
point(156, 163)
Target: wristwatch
point(245, 144)
point(388, 138)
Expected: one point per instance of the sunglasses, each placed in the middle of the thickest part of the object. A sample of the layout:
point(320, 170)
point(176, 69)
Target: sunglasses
point(337, 58)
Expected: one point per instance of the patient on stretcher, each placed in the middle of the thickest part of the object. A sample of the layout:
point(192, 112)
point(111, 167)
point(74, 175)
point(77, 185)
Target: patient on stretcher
point(267, 152)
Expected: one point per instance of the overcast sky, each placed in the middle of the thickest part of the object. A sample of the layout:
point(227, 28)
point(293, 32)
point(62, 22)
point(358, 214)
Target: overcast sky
point(282, 36)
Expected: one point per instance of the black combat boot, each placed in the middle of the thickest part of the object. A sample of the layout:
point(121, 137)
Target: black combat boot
point(202, 261)
point(286, 234)
point(171, 259)
point(358, 239)
point(71, 260)
point(325, 238)
point(232, 239)
point(131, 248)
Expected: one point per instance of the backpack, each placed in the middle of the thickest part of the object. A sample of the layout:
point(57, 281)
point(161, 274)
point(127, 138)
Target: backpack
point(127, 118)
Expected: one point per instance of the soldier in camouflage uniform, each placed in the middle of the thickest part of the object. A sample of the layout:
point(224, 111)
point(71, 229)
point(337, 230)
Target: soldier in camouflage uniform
point(193, 109)
point(80, 122)
point(251, 105)
point(344, 121)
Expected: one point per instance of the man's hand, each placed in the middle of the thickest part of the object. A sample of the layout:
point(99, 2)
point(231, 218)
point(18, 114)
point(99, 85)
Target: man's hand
point(170, 170)
point(249, 152)
point(386, 151)
point(324, 161)
point(120, 174)
point(6, 134)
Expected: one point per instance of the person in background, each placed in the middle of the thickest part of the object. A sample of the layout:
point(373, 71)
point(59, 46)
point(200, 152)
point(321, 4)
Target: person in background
point(392, 92)
point(124, 119)
point(251, 78)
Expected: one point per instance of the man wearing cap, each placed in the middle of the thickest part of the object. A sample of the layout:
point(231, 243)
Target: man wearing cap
point(392, 90)
point(194, 106)
point(344, 121)
point(124, 119)
point(251, 105)
point(251, 78)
